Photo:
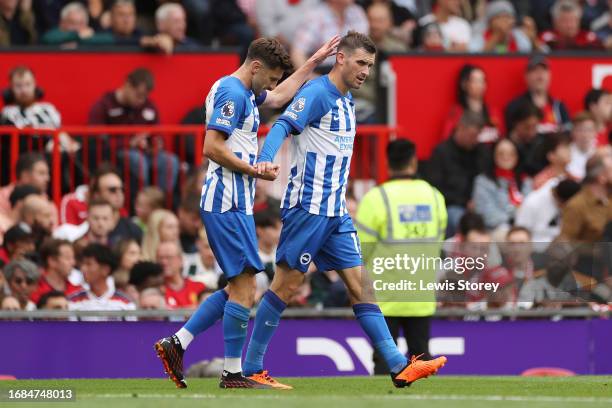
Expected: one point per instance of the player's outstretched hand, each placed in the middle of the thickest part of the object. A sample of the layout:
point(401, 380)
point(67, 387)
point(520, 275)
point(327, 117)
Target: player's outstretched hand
point(327, 50)
point(267, 170)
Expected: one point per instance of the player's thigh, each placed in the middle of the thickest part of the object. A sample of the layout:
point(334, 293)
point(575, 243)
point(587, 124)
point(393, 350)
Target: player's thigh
point(302, 237)
point(233, 241)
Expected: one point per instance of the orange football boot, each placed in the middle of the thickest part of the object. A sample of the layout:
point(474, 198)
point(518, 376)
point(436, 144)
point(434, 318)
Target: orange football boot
point(417, 369)
point(265, 379)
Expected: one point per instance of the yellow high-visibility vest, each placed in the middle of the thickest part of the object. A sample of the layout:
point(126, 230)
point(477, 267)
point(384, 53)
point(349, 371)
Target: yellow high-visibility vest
point(403, 211)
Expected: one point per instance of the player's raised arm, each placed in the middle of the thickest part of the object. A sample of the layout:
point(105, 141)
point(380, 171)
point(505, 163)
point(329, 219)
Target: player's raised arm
point(287, 89)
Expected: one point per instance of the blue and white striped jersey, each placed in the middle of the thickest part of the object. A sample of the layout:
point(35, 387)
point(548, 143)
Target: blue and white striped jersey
point(323, 123)
point(231, 108)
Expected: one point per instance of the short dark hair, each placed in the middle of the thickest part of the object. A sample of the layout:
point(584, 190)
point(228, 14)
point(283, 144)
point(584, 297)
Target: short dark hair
point(266, 218)
point(524, 110)
point(566, 189)
point(472, 119)
point(22, 191)
point(399, 153)
point(98, 202)
point(51, 247)
point(551, 142)
point(593, 96)
point(101, 253)
point(26, 162)
point(470, 221)
point(271, 52)
point(42, 302)
point(142, 270)
point(354, 40)
point(141, 76)
point(102, 170)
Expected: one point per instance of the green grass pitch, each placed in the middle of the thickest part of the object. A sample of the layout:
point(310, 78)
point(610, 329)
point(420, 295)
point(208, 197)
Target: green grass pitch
point(336, 392)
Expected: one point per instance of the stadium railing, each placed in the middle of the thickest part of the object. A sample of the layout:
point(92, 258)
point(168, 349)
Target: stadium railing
point(103, 143)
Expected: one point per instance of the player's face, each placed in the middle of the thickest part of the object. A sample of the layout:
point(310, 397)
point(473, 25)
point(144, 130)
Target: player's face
point(356, 67)
point(265, 78)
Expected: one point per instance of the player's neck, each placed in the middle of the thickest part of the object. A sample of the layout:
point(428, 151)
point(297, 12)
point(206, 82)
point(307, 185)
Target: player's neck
point(336, 79)
point(244, 76)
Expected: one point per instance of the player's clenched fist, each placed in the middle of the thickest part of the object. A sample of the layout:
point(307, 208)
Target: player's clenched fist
point(267, 170)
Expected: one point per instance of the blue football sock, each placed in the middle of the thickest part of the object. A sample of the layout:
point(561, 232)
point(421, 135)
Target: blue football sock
point(208, 313)
point(235, 324)
point(373, 323)
point(266, 321)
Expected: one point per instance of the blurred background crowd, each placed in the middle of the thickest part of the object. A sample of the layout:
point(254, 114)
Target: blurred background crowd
point(525, 174)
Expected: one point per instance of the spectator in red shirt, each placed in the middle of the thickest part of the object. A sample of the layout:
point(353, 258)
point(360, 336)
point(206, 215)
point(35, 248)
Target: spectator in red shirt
point(554, 113)
point(599, 103)
point(471, 90)
point(566, 33)
point(57, 258)
point(130, 105)
point(180, 292)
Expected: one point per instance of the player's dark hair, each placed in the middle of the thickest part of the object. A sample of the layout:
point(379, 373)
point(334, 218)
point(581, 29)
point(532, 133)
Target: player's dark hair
point(26, 162)
point(354, 41)
point(42, 302)
point(141, 271)
point(102, 254)
point(471, 221)
point(271, 52)
point(51, 247)
point(399, 154)
point(102, 170)
point(593, 96)
point(141, 76)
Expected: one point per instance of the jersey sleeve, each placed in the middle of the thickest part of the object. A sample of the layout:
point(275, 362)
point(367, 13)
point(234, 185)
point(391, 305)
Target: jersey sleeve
point(304, 109)
point(228, 106)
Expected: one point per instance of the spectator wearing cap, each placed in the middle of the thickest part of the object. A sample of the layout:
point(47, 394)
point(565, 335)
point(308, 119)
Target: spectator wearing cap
point(21, 278)
point(555, 115)
point(74, 30)
point(555, 152)
point(98, 262)
point(598, 102)
point(456, 31)
point(180, 292)
point(500, 36)
point(540, 212)
point(279, 18)
point(471, 90)
point(584, 139)
point(17, 23)
point(329, 18)
point(170, 19)
point(58, 260)
point(18, 243)
point(567, 33)
point(130, 105)
point(454, 165)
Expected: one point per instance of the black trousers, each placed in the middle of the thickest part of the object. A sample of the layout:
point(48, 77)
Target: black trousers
point(416, 332)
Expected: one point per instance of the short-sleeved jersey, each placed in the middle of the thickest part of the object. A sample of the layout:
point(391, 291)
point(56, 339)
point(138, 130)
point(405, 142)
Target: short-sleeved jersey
point(231, 108)
point(323, 123)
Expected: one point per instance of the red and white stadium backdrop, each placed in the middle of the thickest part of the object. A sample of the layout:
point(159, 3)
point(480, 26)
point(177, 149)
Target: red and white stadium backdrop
point(426, 87)
point(73, 81)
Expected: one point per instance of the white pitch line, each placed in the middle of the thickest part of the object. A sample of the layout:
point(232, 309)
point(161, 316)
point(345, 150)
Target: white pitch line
point(287, 395)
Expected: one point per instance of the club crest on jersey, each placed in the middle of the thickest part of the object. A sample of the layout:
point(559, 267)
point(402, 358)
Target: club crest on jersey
point(228, 109)
point(298, 105)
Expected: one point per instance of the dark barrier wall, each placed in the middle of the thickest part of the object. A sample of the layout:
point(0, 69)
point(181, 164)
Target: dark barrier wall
point(73, 81)
point(303, 347)
point(426, 87)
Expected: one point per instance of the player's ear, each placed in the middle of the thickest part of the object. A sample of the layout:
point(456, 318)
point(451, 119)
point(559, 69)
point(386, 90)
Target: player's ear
point(256, 66)
point(340, 56)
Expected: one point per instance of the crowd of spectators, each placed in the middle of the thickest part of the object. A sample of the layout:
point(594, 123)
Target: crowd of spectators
point(500, 26)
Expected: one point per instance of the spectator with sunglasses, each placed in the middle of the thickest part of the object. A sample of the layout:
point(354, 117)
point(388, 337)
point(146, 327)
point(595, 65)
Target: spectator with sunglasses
point(21, 277)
